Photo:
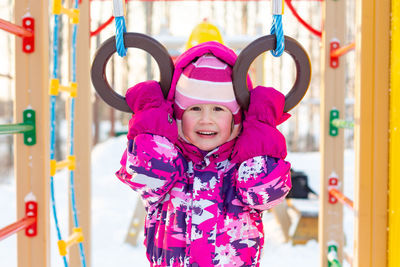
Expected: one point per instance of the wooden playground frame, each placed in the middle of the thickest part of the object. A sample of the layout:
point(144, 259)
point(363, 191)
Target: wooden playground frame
point(377, 120)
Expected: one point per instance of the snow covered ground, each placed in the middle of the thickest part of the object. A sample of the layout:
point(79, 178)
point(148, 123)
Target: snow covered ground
point(113, 205)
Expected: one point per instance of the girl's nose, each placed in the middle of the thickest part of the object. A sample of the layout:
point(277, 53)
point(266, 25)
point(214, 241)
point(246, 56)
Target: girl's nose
point(206, 116)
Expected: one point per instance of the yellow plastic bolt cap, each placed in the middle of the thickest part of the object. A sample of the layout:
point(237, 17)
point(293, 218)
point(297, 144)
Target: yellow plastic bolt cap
point(57, 7)
point(62, 247)
point(54, 86)
point(75, 16)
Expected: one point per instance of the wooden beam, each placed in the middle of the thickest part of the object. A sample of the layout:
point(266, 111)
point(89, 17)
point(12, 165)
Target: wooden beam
point(371, 132)
point(331, 148)
point(394, 155)
point(83, 136)
point(32, 169)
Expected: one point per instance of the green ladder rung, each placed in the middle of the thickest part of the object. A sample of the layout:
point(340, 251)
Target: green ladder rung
point(333, 260)
point(343, 124)
point(27, 127)
point(335, 123)
point(119, 133)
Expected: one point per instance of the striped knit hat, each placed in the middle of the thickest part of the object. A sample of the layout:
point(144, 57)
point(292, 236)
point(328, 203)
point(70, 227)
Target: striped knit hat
point(208, 80)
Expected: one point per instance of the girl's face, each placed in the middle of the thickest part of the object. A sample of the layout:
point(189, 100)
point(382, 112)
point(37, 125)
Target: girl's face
point(207, 126)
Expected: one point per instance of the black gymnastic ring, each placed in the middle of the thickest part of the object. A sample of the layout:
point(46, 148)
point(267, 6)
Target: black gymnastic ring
point(256, 48)
point(136, 40)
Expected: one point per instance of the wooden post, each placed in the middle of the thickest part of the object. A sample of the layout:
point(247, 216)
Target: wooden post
point(281, 215)
point(149, 30)
point(83, 136)
point(32, 169)
point(331, 148)
point(371, 132)
point(136, 224)
point(394, 170)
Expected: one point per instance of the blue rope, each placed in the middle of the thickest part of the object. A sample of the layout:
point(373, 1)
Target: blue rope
point(73, 63)
point(71, 152)
point(52, 127)
point(52, 132)
point(53, 205)
point(55, 46)
point(119, 38)
point(52, 145)
point(72, 137)
point(277, 29)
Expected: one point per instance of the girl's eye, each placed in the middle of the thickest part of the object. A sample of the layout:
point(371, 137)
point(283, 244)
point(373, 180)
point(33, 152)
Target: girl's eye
point(216, 108)
point(195, 108)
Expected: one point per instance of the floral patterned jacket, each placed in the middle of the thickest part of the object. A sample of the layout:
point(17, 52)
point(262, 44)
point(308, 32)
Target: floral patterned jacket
point(206, 210)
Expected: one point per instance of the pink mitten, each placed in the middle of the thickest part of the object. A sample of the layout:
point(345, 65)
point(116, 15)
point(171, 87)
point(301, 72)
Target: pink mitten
point(152, 113)
point(259, 135)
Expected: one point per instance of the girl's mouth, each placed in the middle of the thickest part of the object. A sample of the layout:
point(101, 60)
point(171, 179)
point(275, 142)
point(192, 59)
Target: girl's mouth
point(206, 133)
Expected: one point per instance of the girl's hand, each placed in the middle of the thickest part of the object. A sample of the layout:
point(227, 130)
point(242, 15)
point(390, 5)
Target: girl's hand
point(259, 136)
point(144, 95)
point(152, 113)
point(266, 105)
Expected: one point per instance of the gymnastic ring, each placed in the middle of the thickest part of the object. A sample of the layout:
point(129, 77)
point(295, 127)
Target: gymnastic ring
point(136, 40)
point(256, 48)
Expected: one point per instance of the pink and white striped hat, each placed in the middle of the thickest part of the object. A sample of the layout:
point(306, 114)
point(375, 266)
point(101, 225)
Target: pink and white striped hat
point(207, 80)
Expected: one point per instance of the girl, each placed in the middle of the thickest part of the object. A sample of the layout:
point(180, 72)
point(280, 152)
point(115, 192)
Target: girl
point(206, 176)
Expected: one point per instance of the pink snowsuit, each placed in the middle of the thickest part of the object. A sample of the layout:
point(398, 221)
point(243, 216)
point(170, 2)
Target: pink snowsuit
point(204, 208)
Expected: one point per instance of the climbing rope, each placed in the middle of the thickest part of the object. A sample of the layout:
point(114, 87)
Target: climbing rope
point(71, 140)
point(276, 28)
point(70, 163)
point(120, 27)
point(52, 127)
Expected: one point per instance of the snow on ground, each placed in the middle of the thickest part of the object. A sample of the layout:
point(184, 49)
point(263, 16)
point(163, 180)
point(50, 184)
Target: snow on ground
point(113, 204)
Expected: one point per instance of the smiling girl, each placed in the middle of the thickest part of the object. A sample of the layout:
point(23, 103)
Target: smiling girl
point(204, 173)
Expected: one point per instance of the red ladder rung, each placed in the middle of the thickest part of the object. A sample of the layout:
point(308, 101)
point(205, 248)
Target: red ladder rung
point(14, 29)
point(16, 227)
point(342, 198)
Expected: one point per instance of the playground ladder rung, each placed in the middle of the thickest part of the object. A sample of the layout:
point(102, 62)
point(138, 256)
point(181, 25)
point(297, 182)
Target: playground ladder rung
point(343, 123)
point(16, 227)
point(342, 198)
point(334, 263)
point(16, 128)
point(55, 87)
point(27, 127)
point(333, 260)
point(28, 222)
point(69, 162)
point(26, 32)
point(72, 13)
point(14, 29)
point(75, 238)
point(335, 123)
point(342, 50)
